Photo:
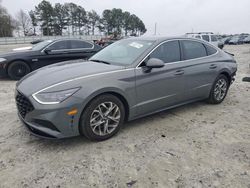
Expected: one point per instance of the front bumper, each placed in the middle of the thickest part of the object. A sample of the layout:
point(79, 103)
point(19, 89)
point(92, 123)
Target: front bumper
point(51, 121)
point(3, 72)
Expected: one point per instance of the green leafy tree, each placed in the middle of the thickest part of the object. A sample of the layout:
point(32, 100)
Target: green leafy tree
point(61, 18)
point(45, 13)
point(107, 21)
point(117, 17)
point(54, 20)
point(116, 21)
point(126, 22)
point(77, 16)
point(93, 20)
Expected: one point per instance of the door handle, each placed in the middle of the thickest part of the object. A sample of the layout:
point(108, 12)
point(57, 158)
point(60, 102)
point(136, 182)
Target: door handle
point(179, 72)
point(213, 66)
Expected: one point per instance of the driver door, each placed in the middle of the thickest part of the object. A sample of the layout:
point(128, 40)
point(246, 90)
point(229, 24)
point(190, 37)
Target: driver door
point(161, 87)
point(55, 53)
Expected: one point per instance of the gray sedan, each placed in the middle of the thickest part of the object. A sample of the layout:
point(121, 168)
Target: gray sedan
point(129, 79)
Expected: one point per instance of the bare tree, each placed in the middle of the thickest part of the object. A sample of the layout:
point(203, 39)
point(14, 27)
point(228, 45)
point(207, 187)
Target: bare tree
point(24, 21)
point(6, 22)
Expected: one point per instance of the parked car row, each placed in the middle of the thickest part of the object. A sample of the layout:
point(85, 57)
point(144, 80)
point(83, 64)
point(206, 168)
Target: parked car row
point(207, 36)
point(23, 61)
point(236, 39)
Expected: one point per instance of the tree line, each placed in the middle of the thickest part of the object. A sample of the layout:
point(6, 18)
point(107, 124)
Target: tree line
point(7, 23)
point(74, 19)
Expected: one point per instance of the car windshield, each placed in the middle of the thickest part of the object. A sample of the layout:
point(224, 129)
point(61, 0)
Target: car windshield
point(41, 45)
point(123, 52)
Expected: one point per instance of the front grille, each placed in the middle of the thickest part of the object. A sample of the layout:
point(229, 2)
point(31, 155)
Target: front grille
point(24, 106)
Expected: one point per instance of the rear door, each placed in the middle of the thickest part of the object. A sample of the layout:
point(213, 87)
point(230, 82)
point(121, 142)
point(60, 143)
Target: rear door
point(81, 49)
point(200, 70)
point(161, 87)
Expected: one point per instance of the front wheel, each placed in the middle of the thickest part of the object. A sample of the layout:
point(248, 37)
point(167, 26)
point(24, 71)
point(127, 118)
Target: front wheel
point(219, 90)
point(102, 118)
point(18, 69)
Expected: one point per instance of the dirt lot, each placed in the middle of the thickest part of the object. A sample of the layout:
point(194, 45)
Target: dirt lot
point(198, 145)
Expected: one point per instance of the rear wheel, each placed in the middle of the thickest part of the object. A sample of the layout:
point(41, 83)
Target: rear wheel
point(219, 90)
point(102, 118)
point(18, 69)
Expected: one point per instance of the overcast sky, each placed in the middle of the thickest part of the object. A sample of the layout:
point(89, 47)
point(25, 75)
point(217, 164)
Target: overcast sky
point(173, 17)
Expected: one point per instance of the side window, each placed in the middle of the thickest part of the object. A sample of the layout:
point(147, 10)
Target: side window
point(210, 50)
point(205, 37)
point(198, 36)
point(214, 38)
point(76, 44)
point(167, 52)
point(193, 49)
point(60, 45)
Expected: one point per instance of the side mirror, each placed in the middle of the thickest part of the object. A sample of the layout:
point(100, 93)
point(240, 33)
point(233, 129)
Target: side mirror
point(154, 63)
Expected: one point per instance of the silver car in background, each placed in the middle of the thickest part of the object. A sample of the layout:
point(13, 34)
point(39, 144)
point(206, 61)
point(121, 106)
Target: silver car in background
point(129, 79)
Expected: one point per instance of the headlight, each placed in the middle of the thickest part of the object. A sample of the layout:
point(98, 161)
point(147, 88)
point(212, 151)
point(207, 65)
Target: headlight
point(54, 97)
point(2, 60)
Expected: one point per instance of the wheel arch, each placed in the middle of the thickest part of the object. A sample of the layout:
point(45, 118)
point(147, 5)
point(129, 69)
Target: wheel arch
point(227, 74)
point(115, 92)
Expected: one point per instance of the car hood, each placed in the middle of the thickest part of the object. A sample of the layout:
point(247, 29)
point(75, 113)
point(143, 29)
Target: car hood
point(60, 72)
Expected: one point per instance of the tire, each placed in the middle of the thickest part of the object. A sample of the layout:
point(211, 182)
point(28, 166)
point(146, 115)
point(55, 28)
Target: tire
point(96, 116)
point(18, 69)
point(219, 90)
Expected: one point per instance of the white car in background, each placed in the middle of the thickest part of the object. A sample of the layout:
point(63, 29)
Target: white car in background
point(207, 36)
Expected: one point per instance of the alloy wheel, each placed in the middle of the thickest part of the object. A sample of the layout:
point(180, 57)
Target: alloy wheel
point(105, 118)
point(220, 89)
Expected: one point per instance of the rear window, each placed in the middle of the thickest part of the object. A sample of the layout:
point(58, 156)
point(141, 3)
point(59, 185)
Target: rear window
point(60, 45)
point(213, 38)
point(75, 44)
point(193, 49)
point(210, 50)
point(205, 37)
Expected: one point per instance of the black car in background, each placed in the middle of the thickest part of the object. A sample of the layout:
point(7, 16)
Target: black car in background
point(18, 64)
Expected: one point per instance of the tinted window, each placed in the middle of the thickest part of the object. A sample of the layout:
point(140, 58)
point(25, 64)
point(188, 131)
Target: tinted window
point(61, 45)
point(205, 37)
point(192, 50)
point(75, 44)
point(167, 52)
point(210, 50)
point(213, 38)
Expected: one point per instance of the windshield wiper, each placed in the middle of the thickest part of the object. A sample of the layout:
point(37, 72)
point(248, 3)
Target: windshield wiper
point(100, 61)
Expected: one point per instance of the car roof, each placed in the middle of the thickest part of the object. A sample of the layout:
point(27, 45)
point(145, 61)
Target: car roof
point(161, 38)
point(62, 39)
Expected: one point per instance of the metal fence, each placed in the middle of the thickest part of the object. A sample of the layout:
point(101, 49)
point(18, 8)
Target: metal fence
point(25, 40)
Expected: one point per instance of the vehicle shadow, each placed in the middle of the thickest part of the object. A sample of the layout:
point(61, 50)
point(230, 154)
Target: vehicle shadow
point(6, 79)
point(81, 141)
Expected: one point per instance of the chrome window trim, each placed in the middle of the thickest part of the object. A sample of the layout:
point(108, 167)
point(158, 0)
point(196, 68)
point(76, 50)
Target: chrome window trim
point(93, 46)
point(217, 51)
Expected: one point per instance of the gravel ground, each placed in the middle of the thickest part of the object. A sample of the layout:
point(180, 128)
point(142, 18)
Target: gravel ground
point(197, 145)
